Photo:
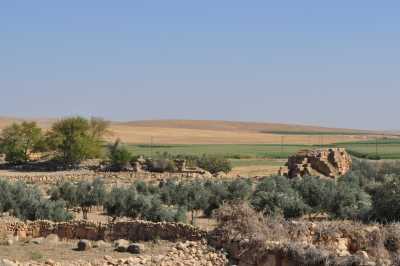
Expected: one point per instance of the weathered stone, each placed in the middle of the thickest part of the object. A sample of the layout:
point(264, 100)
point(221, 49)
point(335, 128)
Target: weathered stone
point(331, 163)
point(135, 248)
point(6, 262)
point(121, 245)
point(84, 245)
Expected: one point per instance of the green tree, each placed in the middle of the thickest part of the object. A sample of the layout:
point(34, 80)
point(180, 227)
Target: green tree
point(18, 141)
point(116, 202)
point(193, 196)
point(386, 201)
point(65, 191)
point(239, 189)
point(218, 193)
point(90, 194)
point(214, 164)
point(76, 139)
point(350, 201)
point(27, 203)
point(275, 196)
point(317, 193)
point(84, 194)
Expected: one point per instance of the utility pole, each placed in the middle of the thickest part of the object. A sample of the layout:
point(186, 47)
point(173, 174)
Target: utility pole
point(151, 146)
point(282, 142)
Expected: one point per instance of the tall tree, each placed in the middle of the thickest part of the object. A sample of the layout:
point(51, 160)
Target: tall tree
point(76, 139)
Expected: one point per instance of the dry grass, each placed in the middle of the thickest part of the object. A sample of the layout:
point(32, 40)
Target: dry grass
point(210, 132)
point(165, 133)
point(64, 252)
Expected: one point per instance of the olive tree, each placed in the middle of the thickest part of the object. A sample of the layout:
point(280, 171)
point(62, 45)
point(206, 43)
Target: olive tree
point(276, 196)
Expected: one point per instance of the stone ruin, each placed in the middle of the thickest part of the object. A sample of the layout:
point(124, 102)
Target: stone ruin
point(332, 163)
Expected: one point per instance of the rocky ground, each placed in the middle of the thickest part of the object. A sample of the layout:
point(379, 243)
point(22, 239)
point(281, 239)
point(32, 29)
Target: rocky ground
point(51, 251)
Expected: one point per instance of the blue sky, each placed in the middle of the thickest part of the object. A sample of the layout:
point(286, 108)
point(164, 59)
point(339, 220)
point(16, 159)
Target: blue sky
point(332, 63)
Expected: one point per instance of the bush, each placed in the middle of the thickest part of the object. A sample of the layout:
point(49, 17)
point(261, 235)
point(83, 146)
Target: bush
point(317, 193)
point(27, 203)
point(162, 165)
point(214, 164)
point(386, 201)
point(84, 194)
point(350, 201)
point(141, 204)
point(119, 156)
point(115, 203)
point(275, 196)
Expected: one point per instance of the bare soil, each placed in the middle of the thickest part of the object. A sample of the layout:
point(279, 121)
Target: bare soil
point(64, 251)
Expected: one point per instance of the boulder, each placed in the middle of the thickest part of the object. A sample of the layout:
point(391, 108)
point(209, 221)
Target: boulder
point(332, 163)
point(135, 248)
point(6, 262)
point(84, 245)
point(121, 245)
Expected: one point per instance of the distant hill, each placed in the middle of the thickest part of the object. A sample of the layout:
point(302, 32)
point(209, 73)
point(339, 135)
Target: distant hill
point(237, 126)
point(217, 132)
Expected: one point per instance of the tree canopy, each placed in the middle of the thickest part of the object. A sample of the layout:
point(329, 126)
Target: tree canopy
point(18, 141)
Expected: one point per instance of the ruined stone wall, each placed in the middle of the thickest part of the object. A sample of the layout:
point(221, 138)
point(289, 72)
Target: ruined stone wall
point(132, 230)
point(333, 162)
point(54, 178)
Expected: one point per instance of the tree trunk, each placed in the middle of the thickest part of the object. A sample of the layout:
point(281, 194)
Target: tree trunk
point(192, 222)
point(85, 211)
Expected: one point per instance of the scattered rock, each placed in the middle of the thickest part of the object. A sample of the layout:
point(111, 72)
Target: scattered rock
point(50, 262)
point(84, 245)
point(6, 262)
point(135, 248)
point(37, 241)
point(121, 245)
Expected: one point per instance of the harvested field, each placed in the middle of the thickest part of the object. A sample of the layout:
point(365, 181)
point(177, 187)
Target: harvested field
point(215, 132)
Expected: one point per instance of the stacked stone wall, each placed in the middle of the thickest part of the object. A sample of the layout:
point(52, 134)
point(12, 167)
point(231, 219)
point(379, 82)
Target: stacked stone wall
point(132, 230)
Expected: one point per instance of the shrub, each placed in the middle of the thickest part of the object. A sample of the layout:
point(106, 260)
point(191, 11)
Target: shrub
point(119, 156)
point(386, 201)
point(84, 194)
point(350, 202)
point(115, 203)
point(275, 196)
point(162, 165)
point(27, 203)
point(317, 193)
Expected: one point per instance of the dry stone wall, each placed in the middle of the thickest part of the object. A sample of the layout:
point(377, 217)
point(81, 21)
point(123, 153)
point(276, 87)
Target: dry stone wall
point(132, 230)
point(110, 177)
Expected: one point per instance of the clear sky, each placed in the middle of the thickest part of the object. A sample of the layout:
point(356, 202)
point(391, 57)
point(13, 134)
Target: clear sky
point(333, 63)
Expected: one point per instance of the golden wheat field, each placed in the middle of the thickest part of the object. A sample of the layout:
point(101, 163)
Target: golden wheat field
point(215, 132)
